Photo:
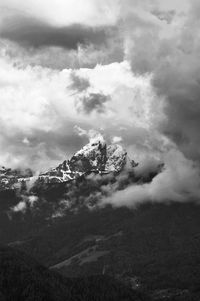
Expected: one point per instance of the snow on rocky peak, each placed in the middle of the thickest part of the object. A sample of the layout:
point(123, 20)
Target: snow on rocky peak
point(116, 158)
point(94, 157)
point(97, 156)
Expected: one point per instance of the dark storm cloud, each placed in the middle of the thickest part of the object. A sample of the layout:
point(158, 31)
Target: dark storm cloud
point(177, 78)
point(174, 63)
point(92, 102)
point(59, 58)
point(182, 105)
point(32, 32)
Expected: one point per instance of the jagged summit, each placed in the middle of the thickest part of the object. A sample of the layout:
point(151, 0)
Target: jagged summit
point(92, 156)
point(96, 157)
point(99, 157)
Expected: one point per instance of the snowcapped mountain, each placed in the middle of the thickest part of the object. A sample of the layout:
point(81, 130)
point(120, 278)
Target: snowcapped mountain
point(95, 157)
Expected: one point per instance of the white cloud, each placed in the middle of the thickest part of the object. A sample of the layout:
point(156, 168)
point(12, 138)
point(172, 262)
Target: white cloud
point(179, 182)
point(116, 139)
point(32, 199)
point(37, 107)
point(20, 207)
point(65, 12)
point(26, 141)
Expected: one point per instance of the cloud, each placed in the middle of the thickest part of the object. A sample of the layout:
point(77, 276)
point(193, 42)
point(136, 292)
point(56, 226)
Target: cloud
point(79, 84)
point(54, 57)
point(25, 203)
point(92, 102)
point(179, 181)
point(60, 35)
point(116, 139)
point(172, 57)
point(63, 13)
point(42, 100)
point(176, 77)
point(30, 32)
point(92, 135)
point(26, 97)
point(164, 15)
point(20, 207)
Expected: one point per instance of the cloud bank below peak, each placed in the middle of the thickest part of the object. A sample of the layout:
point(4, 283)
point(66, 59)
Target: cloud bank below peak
point(179, 181)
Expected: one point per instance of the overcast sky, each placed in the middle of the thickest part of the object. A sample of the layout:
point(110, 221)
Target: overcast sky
point(128, 69)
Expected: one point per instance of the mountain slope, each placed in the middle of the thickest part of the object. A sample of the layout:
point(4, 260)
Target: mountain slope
point(157, 245)
point(23, 279)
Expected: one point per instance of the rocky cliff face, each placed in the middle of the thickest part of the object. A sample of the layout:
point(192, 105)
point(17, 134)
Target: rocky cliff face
point(94, 157)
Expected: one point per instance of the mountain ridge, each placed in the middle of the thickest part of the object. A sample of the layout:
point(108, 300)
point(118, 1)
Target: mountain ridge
point(94, 157)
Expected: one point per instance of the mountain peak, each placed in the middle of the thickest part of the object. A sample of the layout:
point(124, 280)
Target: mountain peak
point(94, 157)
